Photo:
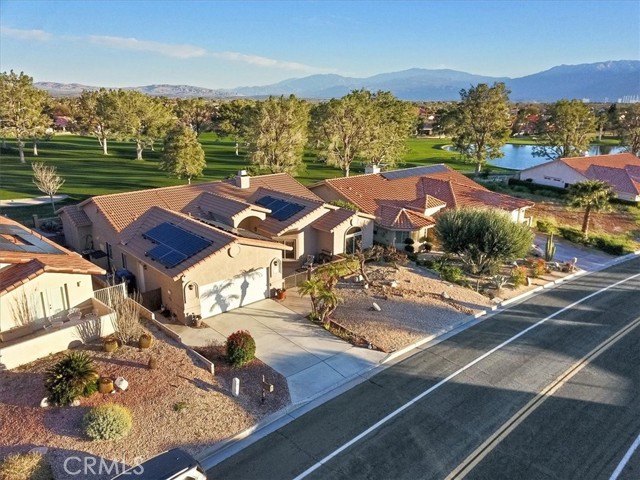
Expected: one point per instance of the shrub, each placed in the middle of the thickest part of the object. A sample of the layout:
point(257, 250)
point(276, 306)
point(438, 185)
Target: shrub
point(107, 422)
point(609, 244)
point(572, 234)
point(241, 348)
point(451, 274)
point(538, 268)
point(70, 378)
point(428, 246)
point(25, 466)
point(409, 241)
point(409, 248)
point(546, 226)
point(519, 276)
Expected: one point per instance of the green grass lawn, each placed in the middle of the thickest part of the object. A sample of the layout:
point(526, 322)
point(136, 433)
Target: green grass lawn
point(87, 172)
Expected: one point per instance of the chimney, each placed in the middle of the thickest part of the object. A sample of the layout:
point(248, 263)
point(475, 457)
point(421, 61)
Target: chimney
point(243, 180)
point(372, 169)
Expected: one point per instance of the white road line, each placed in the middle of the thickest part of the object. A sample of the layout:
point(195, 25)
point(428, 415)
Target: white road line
point(401, 409)
point(627, 456)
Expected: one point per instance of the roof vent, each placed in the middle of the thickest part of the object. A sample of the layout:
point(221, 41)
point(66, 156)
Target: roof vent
point(243, 180)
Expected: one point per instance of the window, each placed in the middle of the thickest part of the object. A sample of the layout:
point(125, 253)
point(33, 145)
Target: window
point(402, 236)
point(352, 240)
point(290, 255)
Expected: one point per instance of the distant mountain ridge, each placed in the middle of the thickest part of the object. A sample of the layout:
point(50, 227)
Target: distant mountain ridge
point(602, 81)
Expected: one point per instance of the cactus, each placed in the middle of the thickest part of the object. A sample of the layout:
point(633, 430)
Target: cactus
point(550, 249)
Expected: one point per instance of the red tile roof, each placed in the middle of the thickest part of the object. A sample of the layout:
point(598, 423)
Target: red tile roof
point(28, 264)
point(618, 160)
point(620, 170)
point(77, 216)
point(333, 219)
point(414, 188)
point(120, 209)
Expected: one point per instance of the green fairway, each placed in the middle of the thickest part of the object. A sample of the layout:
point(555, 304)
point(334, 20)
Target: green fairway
point(87, 172)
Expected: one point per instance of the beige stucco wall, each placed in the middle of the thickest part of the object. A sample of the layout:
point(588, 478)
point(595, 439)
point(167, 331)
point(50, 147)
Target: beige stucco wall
point(78, 289)
point(71, 334)
point(555, 174)
point(75, 238)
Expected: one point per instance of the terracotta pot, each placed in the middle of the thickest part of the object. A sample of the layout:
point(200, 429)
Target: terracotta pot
point(110, 345)
point(281, 294)
point(105, 385)
point(145, 340)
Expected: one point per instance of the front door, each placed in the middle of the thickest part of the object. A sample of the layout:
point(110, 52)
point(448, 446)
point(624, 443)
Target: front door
point(54, 300)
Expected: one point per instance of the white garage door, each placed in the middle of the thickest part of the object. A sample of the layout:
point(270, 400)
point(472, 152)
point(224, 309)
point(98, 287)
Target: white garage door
point(225, 295)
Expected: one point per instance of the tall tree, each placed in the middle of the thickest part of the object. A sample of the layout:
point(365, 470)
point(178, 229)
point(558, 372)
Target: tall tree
point(592, 195)
point(566, 130)
point(47, 180)
point(277, 134)
point(96, 115)
point(195, 112)
point(393, 122)
point(183, 155)
point(342, 128)
point(141, 118)
point(482, 238)
point(21, 109)
point(480, 124)
point(230, 118)
point(629, 128)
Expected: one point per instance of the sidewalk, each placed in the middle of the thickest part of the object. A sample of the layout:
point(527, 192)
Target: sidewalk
point(30, 202)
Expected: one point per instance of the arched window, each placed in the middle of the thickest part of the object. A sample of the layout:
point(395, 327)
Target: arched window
point(352, 238)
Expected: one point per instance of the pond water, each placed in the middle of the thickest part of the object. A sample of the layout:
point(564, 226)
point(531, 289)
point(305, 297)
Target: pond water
point(519, 157)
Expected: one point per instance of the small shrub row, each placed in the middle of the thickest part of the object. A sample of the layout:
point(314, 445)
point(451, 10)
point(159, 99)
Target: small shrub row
point(607, 243)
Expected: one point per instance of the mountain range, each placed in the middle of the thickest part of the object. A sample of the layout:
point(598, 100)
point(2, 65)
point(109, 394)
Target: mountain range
point(598, 82)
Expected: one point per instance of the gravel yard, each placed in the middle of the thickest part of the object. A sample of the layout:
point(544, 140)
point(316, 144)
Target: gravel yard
point(210, 413)
point(415, 308)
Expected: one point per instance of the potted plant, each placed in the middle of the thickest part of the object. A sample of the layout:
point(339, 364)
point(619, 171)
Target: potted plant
point(281, 293)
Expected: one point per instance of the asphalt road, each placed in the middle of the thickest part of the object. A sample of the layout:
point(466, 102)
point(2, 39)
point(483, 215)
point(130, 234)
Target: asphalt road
point(475, 400)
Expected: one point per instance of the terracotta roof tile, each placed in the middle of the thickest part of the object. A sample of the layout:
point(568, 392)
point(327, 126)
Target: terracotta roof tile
point(13, 276)
point(618, 160)
point(415, 188)
point(77, 216)
point(619, 178)
point(399, 218)
point(120, 209)
point(333, 219)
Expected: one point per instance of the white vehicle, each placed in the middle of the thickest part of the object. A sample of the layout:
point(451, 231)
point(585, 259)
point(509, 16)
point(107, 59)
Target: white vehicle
point(175, 464)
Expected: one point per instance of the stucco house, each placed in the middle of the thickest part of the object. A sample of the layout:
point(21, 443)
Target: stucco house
point(46, 297)
point(207, 248)
point(621, 171)
point(404, 202)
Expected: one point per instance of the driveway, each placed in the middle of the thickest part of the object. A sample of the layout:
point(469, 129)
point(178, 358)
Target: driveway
point(312, 360)
point(589, 259)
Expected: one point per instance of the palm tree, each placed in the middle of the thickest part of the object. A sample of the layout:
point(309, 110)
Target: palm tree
point(327, 304)
point(590, 195)
point(312, 287)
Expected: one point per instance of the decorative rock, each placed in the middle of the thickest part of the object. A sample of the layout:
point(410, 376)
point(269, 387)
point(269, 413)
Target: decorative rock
point(44, 403)
point(235, 387)
point(394, 284)
point(497, 300)
point(376, 307)
point(121, 383)
point(75, 403)
point(366, 286)
point(40, 450)
point(446, 296)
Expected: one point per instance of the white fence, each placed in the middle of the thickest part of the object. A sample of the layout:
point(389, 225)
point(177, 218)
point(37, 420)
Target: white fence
point(110, 296)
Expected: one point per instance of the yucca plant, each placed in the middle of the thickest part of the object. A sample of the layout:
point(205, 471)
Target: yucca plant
point(72, 377)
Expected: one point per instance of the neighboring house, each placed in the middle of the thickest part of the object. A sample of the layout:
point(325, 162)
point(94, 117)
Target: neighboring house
point(621, 171)
point(405, 201)
point(40, 283)
point(208, 248)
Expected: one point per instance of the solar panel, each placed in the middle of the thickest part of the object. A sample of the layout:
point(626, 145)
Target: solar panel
point(174, 244)
point(280, 209)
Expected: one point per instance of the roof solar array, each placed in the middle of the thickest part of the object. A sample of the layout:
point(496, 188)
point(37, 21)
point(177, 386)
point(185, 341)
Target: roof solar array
point(174, 244)
point(280, 209)
point(413, 172)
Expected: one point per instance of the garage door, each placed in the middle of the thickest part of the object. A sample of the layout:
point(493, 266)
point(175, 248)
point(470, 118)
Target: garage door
point(225, 295)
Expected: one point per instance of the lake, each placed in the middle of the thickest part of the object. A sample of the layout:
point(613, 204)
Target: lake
point(519, 157)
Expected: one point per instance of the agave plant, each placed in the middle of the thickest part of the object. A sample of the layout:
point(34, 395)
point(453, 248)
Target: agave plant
point(73, 376)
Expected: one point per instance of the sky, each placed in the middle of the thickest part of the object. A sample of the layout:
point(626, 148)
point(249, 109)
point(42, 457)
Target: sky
point(226, 44)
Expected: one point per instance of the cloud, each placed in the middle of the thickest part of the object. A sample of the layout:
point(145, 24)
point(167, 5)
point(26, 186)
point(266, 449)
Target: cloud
point(268, 62)
point(167, 49)
point(39, 35)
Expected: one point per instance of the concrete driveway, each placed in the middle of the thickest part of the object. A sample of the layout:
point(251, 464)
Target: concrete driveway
point(589, 259)
point(311, 359)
